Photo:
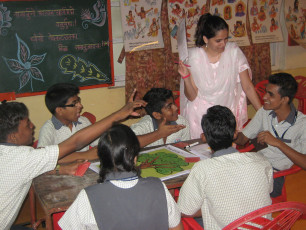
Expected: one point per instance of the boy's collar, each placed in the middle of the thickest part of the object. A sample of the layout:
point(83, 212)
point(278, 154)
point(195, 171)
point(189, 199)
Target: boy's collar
point(155, 123)
point(9, 144)
point(58, 124)
point(222, 152)
point(291, 117)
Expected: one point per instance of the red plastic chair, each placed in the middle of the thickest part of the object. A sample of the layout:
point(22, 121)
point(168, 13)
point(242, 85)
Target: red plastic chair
point(260, 88)
point(176, 95)
point(92, 118)
point(286, 172)
point(289, 213)
point(248, 148)
point(301, 93)
point(190, 224)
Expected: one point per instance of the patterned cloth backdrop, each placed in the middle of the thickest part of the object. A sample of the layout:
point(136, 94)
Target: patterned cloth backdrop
point(156, 68)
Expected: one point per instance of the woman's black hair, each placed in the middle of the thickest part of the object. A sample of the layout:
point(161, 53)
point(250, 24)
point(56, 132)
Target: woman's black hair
point(208, 26)
point(117, 150)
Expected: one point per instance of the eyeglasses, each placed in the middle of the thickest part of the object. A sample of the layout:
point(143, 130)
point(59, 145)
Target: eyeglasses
point(73, 104)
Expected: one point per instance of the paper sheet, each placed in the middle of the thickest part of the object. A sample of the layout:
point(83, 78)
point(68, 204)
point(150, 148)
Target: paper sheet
point(203, 151)
point(182, 41)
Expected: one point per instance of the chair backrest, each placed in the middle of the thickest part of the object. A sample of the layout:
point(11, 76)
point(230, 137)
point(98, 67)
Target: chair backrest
point(260, 88)
point(301, 93)
point(248, 148)
point(176, 95)
point(191, 224)
point(287, 214)
point(92, 118)
point(286, 172)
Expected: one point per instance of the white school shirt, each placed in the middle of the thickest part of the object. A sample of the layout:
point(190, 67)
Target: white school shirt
point(54, 132)
point(19, 165)
point(296, 132)
point(226, 188)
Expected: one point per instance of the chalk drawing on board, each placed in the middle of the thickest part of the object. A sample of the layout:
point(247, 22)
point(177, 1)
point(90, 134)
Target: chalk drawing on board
point(97, 18)
point(5, 20)
point(25, 65)
point(69, 64)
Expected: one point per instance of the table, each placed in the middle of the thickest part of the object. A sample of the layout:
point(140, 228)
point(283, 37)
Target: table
point(56, 193)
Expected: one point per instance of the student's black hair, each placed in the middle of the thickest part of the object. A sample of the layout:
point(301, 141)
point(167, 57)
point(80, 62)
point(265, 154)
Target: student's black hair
point(117, 150)
point(287, 84)
point(219, 125)
point(156, 99)
point(208, 26)
point(11, 113)
point(58, 95)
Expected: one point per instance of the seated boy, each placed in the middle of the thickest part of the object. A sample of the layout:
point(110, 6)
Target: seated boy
point(279, 126)
point(20, 164)
point(65, 105)
point(230, 184)
point(163, 124)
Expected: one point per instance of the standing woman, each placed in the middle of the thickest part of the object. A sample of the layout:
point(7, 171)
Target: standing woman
point(219, 74)
point(121, 199)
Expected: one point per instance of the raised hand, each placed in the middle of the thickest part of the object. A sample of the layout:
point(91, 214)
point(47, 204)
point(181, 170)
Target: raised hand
point(166, 130)
point(129, 108)
point(182, 69)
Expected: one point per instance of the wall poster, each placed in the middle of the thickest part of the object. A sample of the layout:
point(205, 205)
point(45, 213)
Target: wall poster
point(264, 20)
point(295, 16)
point(234, 13)
point(190, 10)
point(141, 24)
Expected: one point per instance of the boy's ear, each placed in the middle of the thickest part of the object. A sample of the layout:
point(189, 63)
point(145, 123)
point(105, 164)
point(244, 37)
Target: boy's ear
point(285, 99)
point(157, 115)
point(58, 110)
point(203, 138)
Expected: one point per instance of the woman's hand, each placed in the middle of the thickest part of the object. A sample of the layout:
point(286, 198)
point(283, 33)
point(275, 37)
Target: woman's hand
point(182, 69)
point(190, 89)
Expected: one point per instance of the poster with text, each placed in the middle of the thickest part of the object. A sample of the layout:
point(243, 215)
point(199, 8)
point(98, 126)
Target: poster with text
point(189, 9)
point(234, 13)
point(295, 16)
point(264, 20)
point(141, 24)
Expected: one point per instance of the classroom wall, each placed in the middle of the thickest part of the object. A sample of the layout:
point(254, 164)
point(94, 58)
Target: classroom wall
point(104, 101)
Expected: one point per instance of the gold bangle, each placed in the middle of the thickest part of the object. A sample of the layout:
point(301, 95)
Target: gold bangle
point(57, 170)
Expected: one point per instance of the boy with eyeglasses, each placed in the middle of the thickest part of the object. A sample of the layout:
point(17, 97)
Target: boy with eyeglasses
point(162, 124)
point(64, 103)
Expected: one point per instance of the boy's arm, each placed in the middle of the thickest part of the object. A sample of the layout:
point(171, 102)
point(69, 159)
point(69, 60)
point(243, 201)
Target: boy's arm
point(296, 157)
point(241, 139)
point(91, 154)
point(88, 134)
point(162, 132)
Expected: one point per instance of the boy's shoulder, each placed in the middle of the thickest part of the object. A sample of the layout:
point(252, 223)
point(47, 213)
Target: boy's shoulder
point(231, 160)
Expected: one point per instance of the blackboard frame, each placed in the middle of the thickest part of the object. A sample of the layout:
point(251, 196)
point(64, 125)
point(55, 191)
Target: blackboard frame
point(14, 94)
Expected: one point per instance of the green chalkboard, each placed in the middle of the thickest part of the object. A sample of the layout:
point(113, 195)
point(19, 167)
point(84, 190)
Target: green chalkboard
point(51, 41)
